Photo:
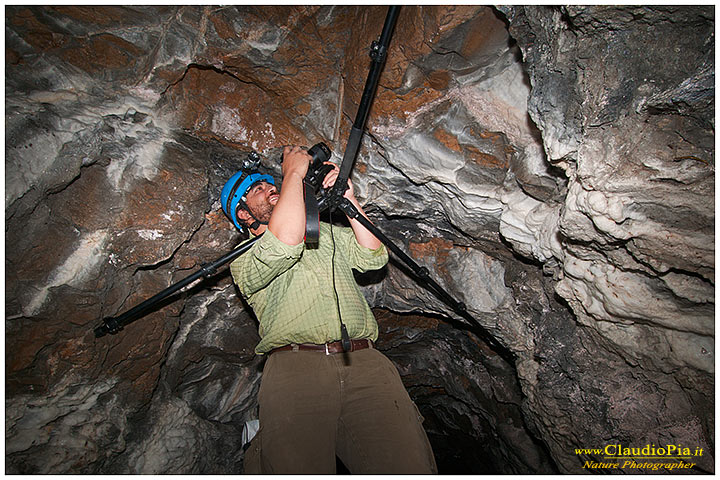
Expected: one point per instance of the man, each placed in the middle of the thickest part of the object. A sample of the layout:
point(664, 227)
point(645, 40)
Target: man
point(317, 401)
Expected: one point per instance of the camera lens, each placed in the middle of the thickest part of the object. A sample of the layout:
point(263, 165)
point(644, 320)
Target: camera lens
point(319, 152)
point(317, 170)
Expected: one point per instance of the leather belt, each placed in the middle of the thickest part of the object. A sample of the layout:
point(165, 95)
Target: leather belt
point(328, 348)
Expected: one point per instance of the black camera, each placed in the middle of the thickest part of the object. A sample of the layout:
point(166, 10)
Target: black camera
point(318, 170)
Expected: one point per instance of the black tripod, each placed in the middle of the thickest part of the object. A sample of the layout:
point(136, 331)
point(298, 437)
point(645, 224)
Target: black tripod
point(333, 199)
point(114, 324)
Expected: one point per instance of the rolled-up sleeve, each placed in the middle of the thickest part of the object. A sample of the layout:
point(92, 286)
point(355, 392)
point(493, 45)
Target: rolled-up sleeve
point(265, 260)
point(362, 258)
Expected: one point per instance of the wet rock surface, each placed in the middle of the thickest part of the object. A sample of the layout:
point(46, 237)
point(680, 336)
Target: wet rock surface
point(552, 167)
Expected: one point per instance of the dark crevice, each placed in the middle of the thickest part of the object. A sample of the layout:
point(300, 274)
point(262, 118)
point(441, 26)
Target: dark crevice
point(197, 66)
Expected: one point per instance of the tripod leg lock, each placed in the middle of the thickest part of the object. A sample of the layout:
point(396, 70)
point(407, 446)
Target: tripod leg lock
point(110, 325)
point(347, 207)
point(208, 270)
point(378, 52)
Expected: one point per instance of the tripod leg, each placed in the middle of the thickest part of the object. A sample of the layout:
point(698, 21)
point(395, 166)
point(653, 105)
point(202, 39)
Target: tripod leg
point(378, 56)
point(113, 325)
point(423, 273)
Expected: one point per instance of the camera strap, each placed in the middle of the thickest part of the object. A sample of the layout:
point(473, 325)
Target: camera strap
point(312, 218)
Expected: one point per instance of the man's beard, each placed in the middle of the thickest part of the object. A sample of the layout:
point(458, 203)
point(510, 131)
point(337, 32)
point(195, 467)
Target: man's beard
point(262, 212)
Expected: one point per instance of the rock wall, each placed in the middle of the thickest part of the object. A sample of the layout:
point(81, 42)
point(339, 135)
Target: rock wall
point(553, 167)
point(636, 141)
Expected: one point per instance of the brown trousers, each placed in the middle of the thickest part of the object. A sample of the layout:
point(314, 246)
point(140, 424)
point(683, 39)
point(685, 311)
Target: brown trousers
point(314, 406)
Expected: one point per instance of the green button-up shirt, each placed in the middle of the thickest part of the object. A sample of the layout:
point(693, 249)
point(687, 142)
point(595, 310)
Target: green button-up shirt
point(290, 288)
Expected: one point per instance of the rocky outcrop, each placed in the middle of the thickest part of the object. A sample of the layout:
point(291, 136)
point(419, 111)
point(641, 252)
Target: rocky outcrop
point(638, 150)
point(553, 167)
point(636, 229)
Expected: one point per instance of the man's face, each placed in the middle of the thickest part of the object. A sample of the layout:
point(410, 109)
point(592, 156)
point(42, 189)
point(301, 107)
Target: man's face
point(261, 200)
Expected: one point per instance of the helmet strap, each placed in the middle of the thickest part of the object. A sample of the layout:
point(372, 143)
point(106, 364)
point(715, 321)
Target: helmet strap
point(256, 223)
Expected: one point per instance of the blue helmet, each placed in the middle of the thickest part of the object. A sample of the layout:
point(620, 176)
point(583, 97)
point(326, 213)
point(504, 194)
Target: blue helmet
point(233, 193)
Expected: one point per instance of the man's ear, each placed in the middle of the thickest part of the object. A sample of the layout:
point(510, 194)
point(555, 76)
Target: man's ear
point(243, 215)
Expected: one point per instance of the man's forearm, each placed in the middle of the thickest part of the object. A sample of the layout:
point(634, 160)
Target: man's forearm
point(287, 222)
point(363, 236)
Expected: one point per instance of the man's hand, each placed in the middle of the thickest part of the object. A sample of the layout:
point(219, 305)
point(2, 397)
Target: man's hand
point(295, 161)
point(331, 178)
point(363, 236)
